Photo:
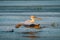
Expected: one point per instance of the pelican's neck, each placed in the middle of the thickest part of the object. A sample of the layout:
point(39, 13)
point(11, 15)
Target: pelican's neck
point(32, 20)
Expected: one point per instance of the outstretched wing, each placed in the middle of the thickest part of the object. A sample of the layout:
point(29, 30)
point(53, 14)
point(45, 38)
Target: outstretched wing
point(18, 25)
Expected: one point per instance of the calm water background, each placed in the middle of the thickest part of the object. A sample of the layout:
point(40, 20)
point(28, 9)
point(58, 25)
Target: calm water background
point(9, 20)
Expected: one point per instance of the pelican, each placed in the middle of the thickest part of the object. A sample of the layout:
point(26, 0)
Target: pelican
point(30, 23)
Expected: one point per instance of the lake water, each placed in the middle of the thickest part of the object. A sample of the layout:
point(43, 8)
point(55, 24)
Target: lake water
point(50, 32)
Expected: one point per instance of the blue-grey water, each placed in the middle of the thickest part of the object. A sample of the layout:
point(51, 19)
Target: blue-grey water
point(50, 20)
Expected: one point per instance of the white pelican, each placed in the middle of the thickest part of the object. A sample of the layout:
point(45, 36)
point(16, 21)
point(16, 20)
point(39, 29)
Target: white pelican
point(30, 23)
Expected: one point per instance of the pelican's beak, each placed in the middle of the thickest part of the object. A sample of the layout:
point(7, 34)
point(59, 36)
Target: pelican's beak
point(39, 18)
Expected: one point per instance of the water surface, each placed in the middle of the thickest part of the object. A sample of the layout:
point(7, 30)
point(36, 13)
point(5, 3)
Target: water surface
point(50, 32)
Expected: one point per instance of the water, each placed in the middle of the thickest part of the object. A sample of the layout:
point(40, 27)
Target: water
point(50, 32)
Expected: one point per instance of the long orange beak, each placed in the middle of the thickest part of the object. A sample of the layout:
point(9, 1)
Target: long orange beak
point(39, 18)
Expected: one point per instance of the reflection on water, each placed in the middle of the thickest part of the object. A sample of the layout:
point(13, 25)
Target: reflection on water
point(32, 36)
point(29, 32)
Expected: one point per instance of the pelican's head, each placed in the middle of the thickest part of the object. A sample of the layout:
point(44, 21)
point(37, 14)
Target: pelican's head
point(32, 16)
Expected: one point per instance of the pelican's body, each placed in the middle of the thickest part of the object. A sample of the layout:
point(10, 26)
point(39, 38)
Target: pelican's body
point(37, 26)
